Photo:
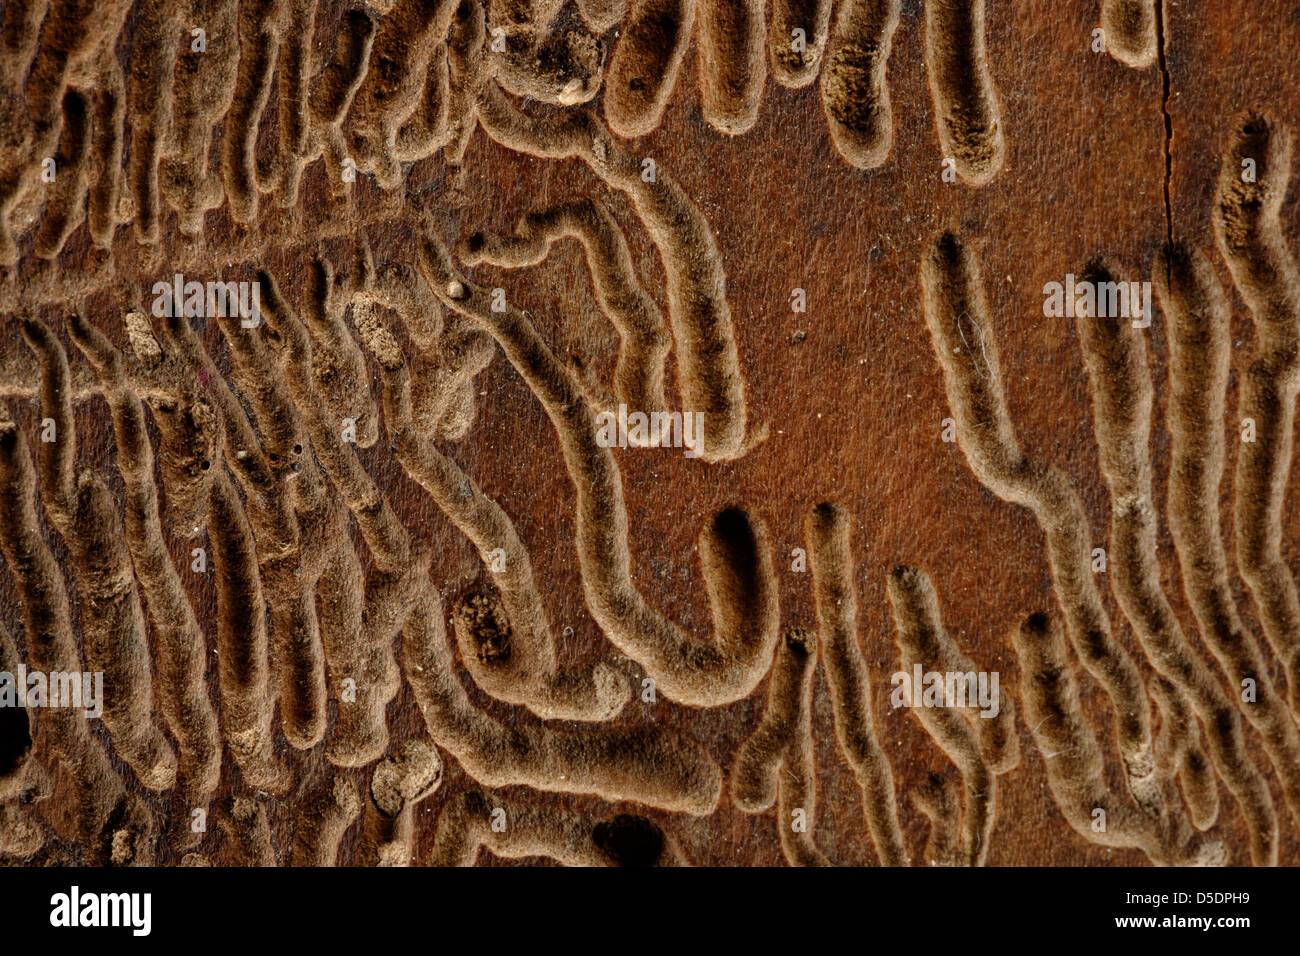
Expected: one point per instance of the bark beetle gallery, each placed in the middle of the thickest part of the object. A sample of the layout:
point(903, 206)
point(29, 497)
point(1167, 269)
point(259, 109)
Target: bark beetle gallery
point(352, 515)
